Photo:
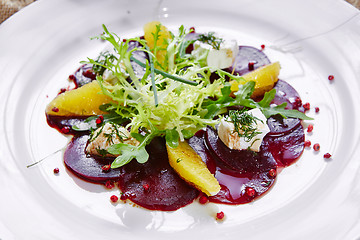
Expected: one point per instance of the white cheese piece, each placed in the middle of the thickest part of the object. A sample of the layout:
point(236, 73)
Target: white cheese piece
point(231, 138)
point(217, 59)
point(224, 57)
point(106, 136)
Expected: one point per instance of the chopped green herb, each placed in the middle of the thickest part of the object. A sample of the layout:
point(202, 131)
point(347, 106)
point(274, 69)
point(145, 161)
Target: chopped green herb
point(101, 152)
point(244, 123)
point(211, 39)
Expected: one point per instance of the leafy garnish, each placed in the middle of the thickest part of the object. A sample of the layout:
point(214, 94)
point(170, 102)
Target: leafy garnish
point(211, 39)
point(244, 123)
point(127, 153)
point(103, 59)
point(186, 100)
point(243, 98)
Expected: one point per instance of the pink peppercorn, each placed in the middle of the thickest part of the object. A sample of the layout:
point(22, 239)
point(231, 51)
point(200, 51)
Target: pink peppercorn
point(146, 187)
point(114, 198)
point(297, 103)
point(203, 199)
point(56, 170)
point(307, 143)
point(100, 119)
point(109, 184)
point(316, 147)
point(331, 77)
point(65, 130)
point(250, 192)
point(327, 155)
point(220, 215)
point(124, 196)
point(317, 109)
point(310, 128)
point(306, 106)
point(272, 173)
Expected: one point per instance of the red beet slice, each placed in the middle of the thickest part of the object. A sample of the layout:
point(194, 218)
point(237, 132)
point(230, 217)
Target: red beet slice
point(279, 125)
point(285, 93)
point(85, 166)
point(243, 161)
point(83, 75)
point(155, 185)
point(246, 55)
point(235, 190)
point(62, 122)
point(286, 148)
point(234, 184)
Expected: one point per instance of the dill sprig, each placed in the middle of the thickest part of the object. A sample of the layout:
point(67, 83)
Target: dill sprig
point(244, 123)
point(211, 39)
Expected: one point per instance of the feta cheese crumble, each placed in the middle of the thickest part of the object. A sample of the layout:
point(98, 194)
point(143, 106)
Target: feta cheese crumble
point(230, 137)
point(108, 135)
point(217, 58)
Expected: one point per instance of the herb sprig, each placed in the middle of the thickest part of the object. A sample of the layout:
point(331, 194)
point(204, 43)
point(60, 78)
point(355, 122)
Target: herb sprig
point(244, 123)
point(211, 39)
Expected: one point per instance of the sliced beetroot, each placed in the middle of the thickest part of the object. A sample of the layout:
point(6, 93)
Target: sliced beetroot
point(286, 148)
point(241, 190)
point(248, 55)
point(285, 93)
point(234, 185)
point(279, 125)
point(64, 122)
point(242, 161)
point(85, 166)
point(155, 185)
point(83, 75)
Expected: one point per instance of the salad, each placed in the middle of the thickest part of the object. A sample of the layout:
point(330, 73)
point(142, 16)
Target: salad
point(170, 118)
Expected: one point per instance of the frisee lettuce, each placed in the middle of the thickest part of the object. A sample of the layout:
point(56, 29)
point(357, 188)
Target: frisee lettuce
point(180, 108)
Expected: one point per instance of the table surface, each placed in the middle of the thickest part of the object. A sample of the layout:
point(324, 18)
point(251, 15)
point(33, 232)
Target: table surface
point(9, 7)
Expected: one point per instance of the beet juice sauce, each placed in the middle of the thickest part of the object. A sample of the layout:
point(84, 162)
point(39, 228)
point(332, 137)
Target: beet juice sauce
point(243, 175)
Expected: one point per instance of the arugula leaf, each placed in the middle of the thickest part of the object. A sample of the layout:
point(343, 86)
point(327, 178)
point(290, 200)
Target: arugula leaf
point(285, 113)
point(243, 98)
point(215, 107)
point(172, 138)
point(127, 153)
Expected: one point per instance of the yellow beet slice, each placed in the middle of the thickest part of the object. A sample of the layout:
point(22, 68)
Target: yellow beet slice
point(83, 101)
point(264, 77)
point(188, 164)
point(164, 34)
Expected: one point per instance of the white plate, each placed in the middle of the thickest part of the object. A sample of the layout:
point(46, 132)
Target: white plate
point(313, 199)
